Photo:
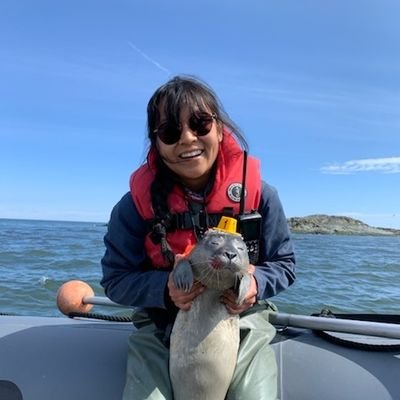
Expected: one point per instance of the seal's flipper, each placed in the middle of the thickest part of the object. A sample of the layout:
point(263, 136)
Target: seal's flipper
point(182, 275)
point(243, 288)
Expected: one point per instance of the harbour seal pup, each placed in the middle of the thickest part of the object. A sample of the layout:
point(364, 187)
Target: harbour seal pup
point(205, 340)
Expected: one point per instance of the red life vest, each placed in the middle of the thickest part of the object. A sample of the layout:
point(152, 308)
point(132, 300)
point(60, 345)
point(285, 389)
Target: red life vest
point(224, 193)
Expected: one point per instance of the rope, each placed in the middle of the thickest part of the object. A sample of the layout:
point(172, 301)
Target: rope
point(114, 318)
point(385, 318)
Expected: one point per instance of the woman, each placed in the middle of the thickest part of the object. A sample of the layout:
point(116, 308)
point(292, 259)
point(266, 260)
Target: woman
point(192, 177)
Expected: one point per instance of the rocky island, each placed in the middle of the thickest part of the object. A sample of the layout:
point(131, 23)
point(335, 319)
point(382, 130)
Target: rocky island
point(339, 225)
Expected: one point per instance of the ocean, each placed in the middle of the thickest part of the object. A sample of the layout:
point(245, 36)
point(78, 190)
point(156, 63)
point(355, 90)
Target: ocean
point(351, 274)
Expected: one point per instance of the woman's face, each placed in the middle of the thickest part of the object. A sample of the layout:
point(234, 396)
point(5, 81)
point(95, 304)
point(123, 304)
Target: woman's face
point(192, 156)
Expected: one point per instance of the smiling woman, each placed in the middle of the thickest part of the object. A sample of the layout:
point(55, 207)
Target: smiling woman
point(194, 174)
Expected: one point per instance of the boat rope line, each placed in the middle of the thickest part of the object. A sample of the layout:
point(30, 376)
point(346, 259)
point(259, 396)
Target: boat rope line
point(390, 345)
point(113, 318)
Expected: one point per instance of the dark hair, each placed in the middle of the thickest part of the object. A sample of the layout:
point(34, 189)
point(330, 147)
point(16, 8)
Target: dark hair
point(169, 100)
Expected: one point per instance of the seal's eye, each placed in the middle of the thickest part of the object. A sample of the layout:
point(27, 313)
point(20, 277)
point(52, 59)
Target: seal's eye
point(239, 244)
point(216, 242)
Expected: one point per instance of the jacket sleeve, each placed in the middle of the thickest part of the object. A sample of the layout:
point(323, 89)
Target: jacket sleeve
point(125, 278)
point(275, 270)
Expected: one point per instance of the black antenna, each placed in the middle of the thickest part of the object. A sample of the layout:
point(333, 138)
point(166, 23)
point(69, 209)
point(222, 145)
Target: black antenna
point(243, 192)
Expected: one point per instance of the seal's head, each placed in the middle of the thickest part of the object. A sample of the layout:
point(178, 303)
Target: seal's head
point(220, 259)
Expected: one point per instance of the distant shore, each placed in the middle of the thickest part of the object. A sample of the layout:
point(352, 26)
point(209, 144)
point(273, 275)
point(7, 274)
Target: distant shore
point(313, 224)
point(336, 225)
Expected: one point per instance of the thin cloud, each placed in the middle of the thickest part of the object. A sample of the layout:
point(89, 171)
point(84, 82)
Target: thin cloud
point(388, 165)
point(149, 59)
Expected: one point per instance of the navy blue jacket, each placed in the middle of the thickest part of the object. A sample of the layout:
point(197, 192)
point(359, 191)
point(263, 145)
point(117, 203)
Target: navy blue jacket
point(128, 280)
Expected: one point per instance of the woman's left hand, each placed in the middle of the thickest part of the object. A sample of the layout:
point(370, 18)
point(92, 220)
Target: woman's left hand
point(229, 297)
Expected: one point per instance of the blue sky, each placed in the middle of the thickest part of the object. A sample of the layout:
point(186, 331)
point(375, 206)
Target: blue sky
point(314, 85)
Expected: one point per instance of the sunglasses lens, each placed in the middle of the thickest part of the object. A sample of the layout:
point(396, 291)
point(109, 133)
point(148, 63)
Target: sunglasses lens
point(168, 134)
point(200, 124)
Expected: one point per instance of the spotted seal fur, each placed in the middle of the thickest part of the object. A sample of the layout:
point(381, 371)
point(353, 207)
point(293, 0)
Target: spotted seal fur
point(205, 340)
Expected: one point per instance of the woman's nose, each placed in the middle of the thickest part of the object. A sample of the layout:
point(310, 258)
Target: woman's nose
point(187, 135)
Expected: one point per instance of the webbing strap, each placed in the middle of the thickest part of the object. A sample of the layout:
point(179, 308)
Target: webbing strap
point(187, 221)
point(385, 318)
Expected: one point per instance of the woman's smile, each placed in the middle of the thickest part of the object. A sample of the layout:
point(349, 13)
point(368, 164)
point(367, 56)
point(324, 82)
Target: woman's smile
point(192, 154)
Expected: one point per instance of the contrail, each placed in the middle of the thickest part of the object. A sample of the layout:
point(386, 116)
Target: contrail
point(146, 57)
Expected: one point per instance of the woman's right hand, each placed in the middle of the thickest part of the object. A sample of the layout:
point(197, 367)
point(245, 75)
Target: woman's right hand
point(180, 298)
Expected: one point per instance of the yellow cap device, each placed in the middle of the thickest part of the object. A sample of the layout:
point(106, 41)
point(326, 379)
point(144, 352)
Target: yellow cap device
point(228, 225)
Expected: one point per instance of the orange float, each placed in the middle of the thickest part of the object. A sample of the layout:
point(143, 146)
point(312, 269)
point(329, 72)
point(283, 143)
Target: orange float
point(70, 297)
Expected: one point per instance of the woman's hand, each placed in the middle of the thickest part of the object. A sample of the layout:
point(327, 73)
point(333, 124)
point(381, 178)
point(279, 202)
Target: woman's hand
point(229, 297)
point(180, 298)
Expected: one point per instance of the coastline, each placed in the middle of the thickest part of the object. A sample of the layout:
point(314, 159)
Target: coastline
point(312, 224)
point(336, 225)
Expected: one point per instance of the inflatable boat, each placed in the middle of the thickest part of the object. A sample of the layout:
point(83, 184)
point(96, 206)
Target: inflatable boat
point(48, 358)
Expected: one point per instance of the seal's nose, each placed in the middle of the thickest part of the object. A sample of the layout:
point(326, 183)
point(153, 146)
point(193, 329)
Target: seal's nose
point(229, 255)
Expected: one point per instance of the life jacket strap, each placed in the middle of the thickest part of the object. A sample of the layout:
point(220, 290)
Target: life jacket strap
point(188, 221)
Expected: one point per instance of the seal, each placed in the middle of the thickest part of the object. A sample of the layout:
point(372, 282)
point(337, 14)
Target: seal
point(204, 341)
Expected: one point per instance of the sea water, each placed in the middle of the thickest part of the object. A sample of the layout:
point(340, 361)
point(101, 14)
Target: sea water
point(343, 273)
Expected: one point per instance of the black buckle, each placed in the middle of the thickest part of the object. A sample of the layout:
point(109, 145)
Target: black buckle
point(183, 221)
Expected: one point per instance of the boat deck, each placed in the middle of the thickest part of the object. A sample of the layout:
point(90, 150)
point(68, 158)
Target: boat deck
point(64, 359)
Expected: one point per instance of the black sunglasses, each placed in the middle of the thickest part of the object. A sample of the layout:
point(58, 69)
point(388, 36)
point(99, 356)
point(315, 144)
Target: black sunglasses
point(201, 124)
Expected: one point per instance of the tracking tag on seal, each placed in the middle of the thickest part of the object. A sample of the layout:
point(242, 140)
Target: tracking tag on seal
point(228, 225)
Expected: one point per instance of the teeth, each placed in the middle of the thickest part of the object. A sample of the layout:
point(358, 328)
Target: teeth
point(190, 154)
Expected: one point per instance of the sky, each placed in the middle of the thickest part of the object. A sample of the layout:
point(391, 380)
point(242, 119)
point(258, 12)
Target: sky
point(314, 86)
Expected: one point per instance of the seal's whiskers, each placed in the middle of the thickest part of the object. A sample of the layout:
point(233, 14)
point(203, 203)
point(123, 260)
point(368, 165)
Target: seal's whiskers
point(206, 276)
